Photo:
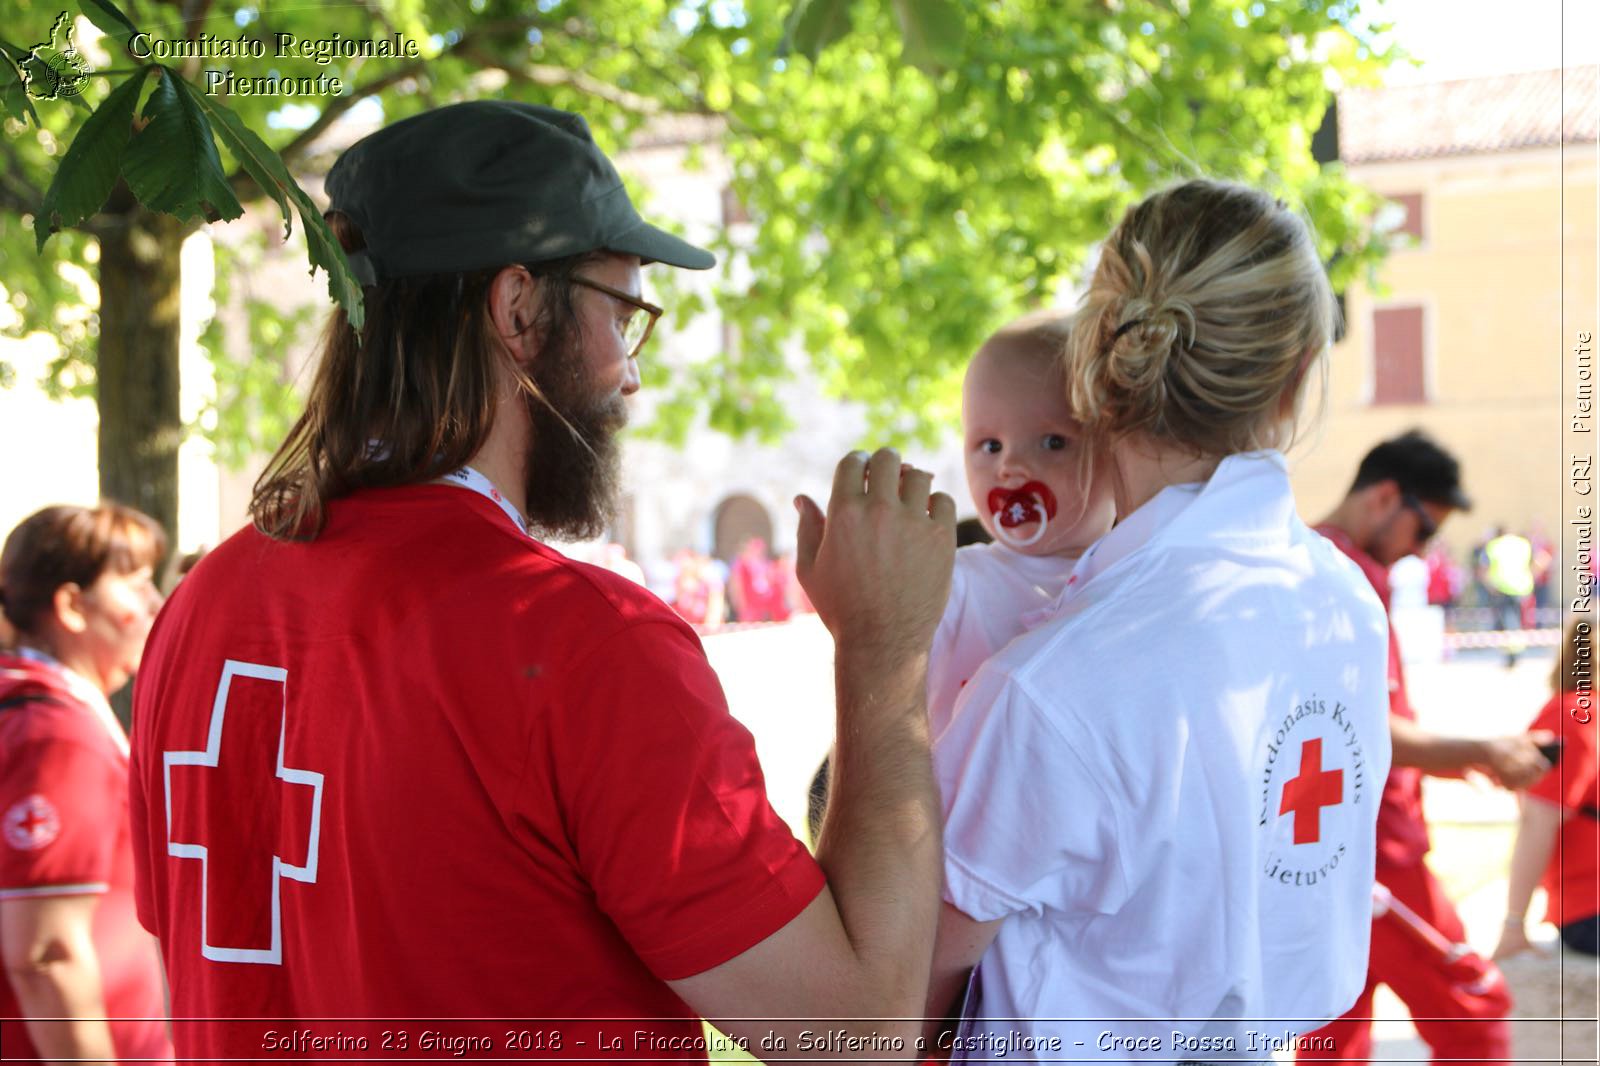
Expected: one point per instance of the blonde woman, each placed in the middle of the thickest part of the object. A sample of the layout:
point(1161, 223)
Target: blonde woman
point(1160, 801)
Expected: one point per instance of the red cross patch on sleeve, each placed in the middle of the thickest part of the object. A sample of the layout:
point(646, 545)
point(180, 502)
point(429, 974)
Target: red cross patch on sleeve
point(30, 823)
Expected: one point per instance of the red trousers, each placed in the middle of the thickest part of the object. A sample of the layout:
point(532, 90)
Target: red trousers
point(1456, 1017)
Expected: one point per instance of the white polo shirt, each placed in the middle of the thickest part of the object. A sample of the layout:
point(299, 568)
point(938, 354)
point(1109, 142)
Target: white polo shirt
point(991, 591)
point(1169, 788)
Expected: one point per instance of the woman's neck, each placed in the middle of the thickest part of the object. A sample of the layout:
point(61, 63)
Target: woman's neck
point(78, 661)
point(1144, 467)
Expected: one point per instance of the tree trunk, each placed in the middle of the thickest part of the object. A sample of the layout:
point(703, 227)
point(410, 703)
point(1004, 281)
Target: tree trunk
point(137, 365)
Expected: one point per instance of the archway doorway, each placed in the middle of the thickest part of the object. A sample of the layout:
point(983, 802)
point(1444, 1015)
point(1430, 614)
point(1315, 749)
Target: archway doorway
point(738, 518)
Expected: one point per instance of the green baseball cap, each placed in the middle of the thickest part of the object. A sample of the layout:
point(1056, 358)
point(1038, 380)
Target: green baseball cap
point(487, 183)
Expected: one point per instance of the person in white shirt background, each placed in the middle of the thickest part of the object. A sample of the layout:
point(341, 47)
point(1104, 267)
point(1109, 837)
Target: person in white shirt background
point(1160, 801)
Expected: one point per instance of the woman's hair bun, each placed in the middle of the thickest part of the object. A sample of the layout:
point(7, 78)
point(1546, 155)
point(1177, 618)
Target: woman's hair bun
point(1198, 320)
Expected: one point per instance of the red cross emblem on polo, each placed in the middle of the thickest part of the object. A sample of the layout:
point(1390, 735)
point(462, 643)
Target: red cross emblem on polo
point(31, 823)
point(248, 818)
point(1313, 790)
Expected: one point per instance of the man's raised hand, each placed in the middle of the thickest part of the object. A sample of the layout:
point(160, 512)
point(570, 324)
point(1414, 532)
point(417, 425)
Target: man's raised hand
point(877, 566)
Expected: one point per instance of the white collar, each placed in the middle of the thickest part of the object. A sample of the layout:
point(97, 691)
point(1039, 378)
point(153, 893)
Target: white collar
point(1155, 516)
point(1126, 537)
point(469, 478)
point(1135, 531)
point(86, 692)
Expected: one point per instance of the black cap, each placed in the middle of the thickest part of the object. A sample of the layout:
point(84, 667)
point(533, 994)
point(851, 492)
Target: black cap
point(487, 183)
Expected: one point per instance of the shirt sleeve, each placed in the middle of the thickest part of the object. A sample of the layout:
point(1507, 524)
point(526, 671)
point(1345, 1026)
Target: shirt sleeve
point(667, 807)
point(1569, 782)
point(998, 765)
point(61, 804)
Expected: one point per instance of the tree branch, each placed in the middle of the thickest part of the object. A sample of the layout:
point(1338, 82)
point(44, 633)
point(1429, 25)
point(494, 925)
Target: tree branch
point(380, 16)
point(18, 189)
point(696, 102)
point(298, 147)
point(193, 15)
point(546, 75)
point(301, 143)
point(14, 201)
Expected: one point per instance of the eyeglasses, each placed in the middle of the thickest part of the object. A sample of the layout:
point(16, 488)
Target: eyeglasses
point(637, 328)
point(1426, 526)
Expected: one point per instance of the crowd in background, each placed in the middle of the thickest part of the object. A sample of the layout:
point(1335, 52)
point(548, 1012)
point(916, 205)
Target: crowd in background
point(1509, 573)
point(709, 593)
point(1505, 581)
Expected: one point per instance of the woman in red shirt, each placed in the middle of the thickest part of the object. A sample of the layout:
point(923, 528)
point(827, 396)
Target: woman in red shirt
point(82, 979)
point(1556, 839)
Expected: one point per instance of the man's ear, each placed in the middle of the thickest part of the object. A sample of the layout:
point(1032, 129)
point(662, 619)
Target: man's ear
point(514, 297)
point(68, 604)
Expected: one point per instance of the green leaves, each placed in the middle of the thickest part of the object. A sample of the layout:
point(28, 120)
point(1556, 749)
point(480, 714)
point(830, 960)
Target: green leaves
point(936, 167)
point(266, 167)
point(108, 20)
point(942, 166)
point(930, 30)
point(13, 89)
point(88, 171)
point(173, 166)
point(815, 24)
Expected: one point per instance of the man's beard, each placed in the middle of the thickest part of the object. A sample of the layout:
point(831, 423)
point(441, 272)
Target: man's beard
point(574, 460)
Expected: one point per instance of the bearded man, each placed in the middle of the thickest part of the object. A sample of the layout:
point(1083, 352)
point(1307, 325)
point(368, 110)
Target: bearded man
point(397, 759)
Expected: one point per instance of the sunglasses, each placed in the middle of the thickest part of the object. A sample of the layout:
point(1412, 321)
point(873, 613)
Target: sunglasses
point(1426, 526)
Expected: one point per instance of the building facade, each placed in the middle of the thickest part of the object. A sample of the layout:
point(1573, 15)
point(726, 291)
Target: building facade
point(1493, 181)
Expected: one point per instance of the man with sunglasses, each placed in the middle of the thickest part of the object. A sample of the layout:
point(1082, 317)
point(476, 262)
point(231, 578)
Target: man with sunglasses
point(397, 759)
point(1404, 490)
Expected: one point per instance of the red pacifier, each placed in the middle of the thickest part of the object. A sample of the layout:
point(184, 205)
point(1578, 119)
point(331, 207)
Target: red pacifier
point(1014, 508)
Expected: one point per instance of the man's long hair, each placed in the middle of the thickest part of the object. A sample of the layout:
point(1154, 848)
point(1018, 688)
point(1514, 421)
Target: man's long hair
point(410, 399)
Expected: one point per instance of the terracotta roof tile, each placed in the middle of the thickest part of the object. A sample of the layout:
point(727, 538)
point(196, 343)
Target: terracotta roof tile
point(1474, 115)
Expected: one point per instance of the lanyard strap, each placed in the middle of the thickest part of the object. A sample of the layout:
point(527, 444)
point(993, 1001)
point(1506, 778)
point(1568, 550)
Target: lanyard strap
point(469, 478)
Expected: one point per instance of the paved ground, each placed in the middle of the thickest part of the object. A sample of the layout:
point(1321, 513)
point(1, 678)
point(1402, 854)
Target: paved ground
point(779, 683)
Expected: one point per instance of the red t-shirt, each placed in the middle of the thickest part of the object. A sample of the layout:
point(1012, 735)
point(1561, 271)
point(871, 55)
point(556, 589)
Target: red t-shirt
point(64, 831)
point(1402, 830)
point(1572, 877)
point(424, 767)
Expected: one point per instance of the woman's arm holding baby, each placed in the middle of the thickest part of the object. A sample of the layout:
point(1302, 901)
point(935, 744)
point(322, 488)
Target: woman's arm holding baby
point(959, 944)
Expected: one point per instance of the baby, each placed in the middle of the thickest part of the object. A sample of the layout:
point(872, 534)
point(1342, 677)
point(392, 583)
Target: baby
point(1024, 472)
point(1027, 482)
